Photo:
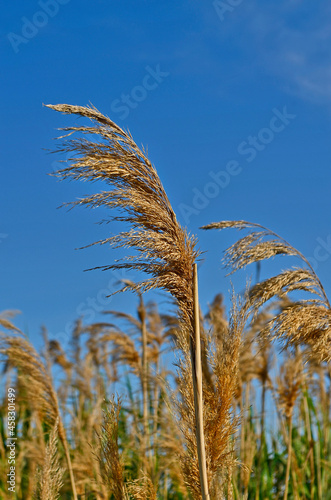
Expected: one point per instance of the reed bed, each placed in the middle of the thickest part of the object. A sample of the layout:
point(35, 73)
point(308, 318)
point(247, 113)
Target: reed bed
point(105, 435)
point(243, 412)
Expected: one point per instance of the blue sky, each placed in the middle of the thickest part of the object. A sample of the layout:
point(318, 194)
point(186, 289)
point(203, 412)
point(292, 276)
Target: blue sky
point(232, 102)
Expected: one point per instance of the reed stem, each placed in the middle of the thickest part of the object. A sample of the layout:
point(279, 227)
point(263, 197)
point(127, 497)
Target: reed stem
point(195, 349)
point(288, 457)
point(63, 439)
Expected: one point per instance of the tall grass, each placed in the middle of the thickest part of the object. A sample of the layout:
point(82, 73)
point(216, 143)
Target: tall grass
point(231, 424)
point(99, 431)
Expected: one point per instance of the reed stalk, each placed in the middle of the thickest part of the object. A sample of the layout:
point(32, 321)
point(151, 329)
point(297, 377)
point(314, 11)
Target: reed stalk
point(144, 380)
point(289, 455)
point(64, 442)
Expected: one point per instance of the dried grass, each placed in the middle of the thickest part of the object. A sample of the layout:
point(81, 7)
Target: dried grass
point(142, 489)
point(289, 384)
point(111, 465)
point(303, 322)
point(20, 354)
point(163, 248)
point(219, 405)
point(49, 476)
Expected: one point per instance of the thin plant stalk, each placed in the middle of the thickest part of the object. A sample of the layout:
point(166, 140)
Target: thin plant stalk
point(246, 424)
point(289, 455)
point(144, 381)
point(195, 349)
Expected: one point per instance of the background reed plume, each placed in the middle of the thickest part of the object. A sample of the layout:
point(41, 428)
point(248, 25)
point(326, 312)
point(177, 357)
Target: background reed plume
point(111, 465)
point(35, 382)
point(49, 475)
point(299, 322)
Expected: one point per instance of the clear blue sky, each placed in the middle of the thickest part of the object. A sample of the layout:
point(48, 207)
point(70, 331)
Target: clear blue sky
point(232, 102)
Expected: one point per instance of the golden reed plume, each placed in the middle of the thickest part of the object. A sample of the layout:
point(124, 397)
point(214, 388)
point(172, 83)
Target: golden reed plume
point(300, 322)
point(163, 248)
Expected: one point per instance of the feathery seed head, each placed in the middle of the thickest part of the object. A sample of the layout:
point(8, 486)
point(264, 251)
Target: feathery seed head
point(305, 321)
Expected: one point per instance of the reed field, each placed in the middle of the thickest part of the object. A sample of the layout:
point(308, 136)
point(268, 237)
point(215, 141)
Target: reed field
point(199, 401)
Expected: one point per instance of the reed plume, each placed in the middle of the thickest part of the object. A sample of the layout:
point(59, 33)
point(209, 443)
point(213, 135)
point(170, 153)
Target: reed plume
point(305, 321)
point(220, 420)
point(49, 475)
point(164, 249)
point(289, 384)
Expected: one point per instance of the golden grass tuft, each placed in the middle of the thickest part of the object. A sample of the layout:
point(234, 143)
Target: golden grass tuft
point(49, 475)
point(20, 354)
point(163, 248)
point(222, 423)
point(304, 323)
point(289, 384)
point(5, 317)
